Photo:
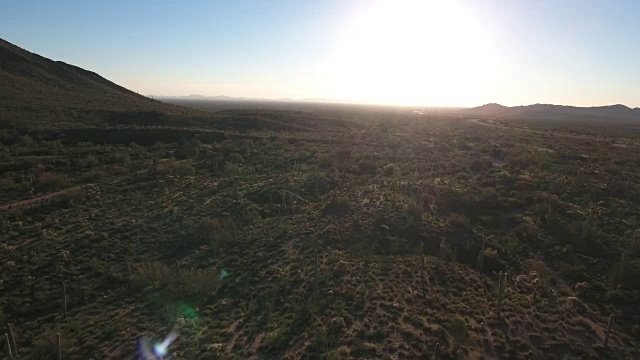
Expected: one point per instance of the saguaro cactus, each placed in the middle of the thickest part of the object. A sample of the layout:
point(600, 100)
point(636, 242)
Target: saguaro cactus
point(12, 341)
point(64, 298)
point(59, 346)
point(9, 353)
point(315, 273)
point(481, 255)
point(501, 290)
point(606, 336)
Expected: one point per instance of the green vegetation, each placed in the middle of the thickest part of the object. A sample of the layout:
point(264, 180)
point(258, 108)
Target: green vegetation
point(336, 233)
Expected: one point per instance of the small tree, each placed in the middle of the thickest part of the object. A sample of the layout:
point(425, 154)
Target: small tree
point(459, 331)
point(183, 169)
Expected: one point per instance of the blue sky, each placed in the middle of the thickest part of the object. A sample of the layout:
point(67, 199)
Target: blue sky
point(425, 52)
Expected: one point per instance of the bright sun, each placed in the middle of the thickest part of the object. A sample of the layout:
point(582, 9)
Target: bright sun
point(414, 52)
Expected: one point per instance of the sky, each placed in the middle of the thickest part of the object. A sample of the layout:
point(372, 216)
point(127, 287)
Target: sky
point(406, 52)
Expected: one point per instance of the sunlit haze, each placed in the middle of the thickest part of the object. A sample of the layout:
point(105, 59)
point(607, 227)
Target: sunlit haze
point(413, 52)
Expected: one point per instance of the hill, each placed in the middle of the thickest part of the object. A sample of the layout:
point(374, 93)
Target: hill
point(37, 91)
point(549, 111)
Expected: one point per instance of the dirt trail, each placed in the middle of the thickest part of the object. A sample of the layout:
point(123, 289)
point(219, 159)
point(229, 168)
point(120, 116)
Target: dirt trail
point(27, 202)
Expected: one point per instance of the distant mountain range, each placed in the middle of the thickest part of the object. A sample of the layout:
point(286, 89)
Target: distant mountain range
point(556, 112)
point(197, 97)
point(36, 91)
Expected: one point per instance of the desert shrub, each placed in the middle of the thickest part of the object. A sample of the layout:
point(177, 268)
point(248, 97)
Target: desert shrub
point(89, 161)
point(74, 197)
point(491, 260)
point(617, 188)
point(208, 227)
point(184, 169)
point(337, 207)
point(325, 161)
point(319, 184)
point(427, 200)
point(390, 169)
point(479, 165)
point(544, 273)
point(458, 220)
point(91, 175)
point(236, 158)
point(46, 345)
point(7, 184)
point(510, 245)
point(230, 169)
point(193, 283)
point(50, 181)
point(188, 150)
point(215, 156)
point(121, 157)
point(415, 211)
point(165, 167)
point(459, 332)
point(343, 153)
point(367, 167)
point(522, 160)
point(228, 145)
point(150, 274)
point(303, 155)
point(176, 283)
point(246, 146)
point(27, 141)
point(214, 232)
point(116, 170)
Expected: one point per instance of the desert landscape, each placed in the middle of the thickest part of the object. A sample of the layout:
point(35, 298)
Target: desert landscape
point(234, 229)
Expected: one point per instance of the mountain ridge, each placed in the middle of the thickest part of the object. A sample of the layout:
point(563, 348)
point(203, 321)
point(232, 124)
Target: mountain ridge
point(552, 111)
point(41, 92)
point(199, 97)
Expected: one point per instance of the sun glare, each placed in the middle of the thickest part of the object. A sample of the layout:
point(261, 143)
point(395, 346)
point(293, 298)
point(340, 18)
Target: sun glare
point(414, 52)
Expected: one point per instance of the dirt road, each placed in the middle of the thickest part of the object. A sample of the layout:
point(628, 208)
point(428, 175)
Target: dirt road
point(27, 202)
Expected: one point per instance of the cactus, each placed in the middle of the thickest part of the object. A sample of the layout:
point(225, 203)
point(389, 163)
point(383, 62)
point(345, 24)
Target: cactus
point(12, 341)
point(481, 255)
point(443, 248)
point(64, 298)
point(284, 201)
point(9, 353)
point(138, 244)
point(315, 273)
point(508, 275)
point(606, 336)
point(422, 270)
point(501, 290)
point(59, 346)
point(549, 213)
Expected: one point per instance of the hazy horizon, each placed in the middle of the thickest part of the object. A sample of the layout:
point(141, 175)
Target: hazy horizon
point(423, 53)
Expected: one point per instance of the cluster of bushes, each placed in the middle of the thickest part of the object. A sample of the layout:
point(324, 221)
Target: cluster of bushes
point(50, 181)
point(176, 283)
point(213, 232)
point(172, 167)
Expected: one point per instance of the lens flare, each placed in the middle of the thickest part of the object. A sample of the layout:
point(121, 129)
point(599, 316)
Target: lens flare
point(223, 274)
point(160, 349)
